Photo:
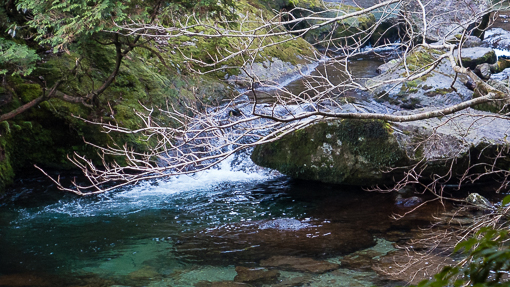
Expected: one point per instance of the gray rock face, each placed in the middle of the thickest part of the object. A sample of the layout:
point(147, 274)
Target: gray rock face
point(471, 42)
point(272, 71)
point(444, 16)
point(362, 152)
point(432, 90)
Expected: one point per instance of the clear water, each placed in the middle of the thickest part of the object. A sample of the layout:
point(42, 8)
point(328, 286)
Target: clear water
point(184, 230)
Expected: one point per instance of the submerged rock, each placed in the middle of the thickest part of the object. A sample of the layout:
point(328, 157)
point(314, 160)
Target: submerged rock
point(299, 264)
point(221, 284)
point(144, 273)
point(247, 242)
point(407, 202)
point(256, 275)
point(284, 224)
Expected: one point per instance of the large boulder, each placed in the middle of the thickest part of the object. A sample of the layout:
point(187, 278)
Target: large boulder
point(369, 152)
point(349, 152)
point(438, 88)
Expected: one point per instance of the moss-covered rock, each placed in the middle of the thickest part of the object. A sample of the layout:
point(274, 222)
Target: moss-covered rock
point(348, 152)
point(433, 89)
point(472, 57)
point(370, 152)
point(47, 133)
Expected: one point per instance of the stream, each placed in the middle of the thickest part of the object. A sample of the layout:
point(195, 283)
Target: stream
point(192, 229)
point(195, 230)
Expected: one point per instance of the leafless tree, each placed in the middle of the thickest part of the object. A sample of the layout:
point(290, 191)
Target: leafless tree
point(265, 111)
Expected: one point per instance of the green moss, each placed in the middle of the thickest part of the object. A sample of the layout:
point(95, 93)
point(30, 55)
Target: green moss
point(489, 58)
point(442, 91)
point(333, 151)
point(421, 58)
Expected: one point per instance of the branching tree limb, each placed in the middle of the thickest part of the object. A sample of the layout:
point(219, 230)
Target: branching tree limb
point(265, 111)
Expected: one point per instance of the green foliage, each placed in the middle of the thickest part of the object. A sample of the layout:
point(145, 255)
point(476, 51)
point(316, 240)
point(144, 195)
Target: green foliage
point(60, 23)
point(16, 59)
point(488, 258)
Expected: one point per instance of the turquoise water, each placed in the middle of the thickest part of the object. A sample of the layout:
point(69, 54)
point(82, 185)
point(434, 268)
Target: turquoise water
point(181, 231)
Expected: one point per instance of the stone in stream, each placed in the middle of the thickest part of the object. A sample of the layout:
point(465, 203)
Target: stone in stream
point(300, 264)
point(256, 275)
point(370, 152)
point(472, 57)
point(247, 242)
point(221, 284)
point(144, 273)
point(433, 89)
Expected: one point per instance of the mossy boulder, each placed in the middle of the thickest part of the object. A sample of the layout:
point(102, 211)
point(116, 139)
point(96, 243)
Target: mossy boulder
point(372, 152)
point(472, 57)
point(46, 134)
point(431, 90)
point(348, 152)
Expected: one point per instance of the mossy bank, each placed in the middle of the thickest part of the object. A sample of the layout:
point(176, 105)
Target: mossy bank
point(157, 77)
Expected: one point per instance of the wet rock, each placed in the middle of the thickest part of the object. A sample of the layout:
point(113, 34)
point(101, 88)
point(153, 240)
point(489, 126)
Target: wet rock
point(256, 275)
point(502, 76)
point(146, 272)
point(25, 279)
point(399, 265)
point(271, 71)
point(471, 57)
point(299, 264)
point(360, 152)
point(479, 201)
point(407, 202)
point(284, 224)
point(247, 242)
point(387, 66)
point(221, 284)
point(292, 282)
point(360, 262)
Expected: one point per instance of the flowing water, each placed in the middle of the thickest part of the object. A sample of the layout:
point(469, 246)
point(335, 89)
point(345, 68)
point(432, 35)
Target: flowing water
point(189, 229)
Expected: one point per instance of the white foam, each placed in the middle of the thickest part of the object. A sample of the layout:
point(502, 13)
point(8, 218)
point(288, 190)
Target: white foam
point(158, 194)
point(500, 52)
point(222, 173)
